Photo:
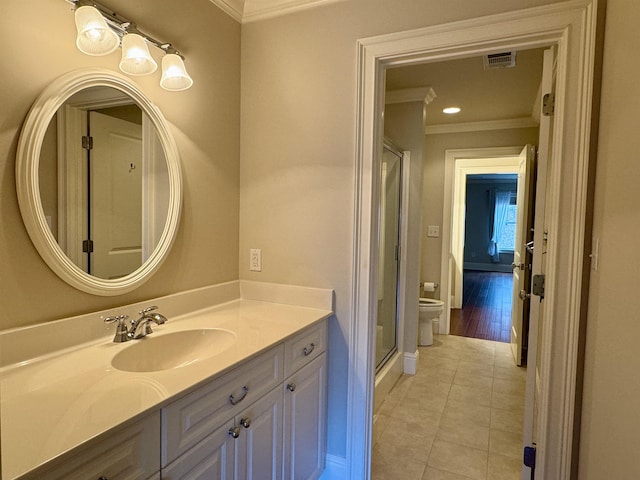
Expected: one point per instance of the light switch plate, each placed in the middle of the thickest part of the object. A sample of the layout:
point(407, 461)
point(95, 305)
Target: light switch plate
point(255, 259)
point(433, 231)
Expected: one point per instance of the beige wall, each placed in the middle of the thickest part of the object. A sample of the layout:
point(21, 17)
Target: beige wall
point(205, 120)
point(433, 193)
point(611, 414)
point(298, 150)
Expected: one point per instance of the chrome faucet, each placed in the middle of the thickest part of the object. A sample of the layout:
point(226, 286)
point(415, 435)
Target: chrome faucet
point(139, 328)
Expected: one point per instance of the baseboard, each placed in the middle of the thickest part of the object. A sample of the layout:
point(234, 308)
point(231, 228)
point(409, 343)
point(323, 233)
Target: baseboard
point(335, 468)
point(410, 363)
point(488, 267)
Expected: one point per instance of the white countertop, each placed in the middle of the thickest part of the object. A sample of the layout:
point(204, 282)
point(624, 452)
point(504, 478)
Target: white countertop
point(52, 404)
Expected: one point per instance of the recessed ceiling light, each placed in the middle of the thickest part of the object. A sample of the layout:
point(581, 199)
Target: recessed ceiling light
point(451, 110)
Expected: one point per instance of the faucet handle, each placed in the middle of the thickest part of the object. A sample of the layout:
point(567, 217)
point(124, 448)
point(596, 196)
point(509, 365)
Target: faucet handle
point(117, 318)
point(144, 311)
point(121, 329)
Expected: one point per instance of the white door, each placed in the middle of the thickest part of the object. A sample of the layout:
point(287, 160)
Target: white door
point(521, 267)
point(115, 196)
point(538, 263)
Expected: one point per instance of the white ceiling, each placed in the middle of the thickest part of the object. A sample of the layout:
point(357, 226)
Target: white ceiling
point(502, 96)
point(251, 10)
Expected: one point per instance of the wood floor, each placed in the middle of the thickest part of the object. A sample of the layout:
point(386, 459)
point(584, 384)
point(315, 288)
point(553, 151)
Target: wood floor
point(486, 306)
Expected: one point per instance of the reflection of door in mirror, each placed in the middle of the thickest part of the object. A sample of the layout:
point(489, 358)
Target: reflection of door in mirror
point(108, 207)
point(115, 195)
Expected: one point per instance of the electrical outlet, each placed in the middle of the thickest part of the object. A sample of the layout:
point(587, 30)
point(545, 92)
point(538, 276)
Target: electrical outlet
point(255, 259)
point(433, 231)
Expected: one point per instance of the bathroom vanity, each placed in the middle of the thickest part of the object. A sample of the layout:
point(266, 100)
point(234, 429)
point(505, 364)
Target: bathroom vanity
point(252, 408)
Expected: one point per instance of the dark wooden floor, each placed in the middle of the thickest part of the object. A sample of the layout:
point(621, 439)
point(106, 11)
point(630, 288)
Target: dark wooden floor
point(486, 306)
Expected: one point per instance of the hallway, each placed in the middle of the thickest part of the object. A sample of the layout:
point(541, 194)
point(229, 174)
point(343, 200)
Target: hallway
point(458, 418)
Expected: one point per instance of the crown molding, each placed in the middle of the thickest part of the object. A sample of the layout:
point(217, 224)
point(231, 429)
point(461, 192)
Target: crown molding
point(233, 8)
point(245, 11)
point(405, 95)
point(509, 123)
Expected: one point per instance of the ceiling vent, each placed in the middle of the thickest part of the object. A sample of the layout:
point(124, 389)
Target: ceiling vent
point(500, 60)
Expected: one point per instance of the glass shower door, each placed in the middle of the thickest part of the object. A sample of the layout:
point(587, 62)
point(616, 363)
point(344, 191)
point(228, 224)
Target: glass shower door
point(388, 256)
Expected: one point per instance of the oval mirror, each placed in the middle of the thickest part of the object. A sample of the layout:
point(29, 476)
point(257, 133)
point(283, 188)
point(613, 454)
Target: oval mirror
point(99, 182)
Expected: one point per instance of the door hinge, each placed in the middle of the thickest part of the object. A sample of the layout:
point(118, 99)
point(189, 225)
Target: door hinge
point(548, 104)
point(87, 246)
point(87, 142)
point(537, 286)
point(529, 457)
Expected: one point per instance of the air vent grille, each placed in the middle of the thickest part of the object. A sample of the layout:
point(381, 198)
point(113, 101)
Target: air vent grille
point(500, 60)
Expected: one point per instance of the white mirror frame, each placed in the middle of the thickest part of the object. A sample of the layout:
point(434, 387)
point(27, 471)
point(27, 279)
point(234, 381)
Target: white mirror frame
point(28, 184)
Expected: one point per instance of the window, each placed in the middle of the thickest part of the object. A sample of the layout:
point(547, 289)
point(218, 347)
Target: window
point(507, 241)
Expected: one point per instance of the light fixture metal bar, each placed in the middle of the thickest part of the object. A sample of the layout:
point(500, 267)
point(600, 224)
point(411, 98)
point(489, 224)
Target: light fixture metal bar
point(122, 26)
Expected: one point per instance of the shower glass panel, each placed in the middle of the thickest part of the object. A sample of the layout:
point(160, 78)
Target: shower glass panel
point(388, 255)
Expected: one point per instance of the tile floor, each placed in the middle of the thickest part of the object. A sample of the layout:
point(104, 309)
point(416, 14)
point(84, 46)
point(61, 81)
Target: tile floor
point(458, 418)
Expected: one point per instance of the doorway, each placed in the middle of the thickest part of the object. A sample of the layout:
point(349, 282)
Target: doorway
point(487, 281)
point(571, 26)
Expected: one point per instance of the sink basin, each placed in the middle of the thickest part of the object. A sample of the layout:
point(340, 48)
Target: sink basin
point(173, 350)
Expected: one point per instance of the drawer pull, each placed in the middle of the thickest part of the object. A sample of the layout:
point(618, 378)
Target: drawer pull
point(234, 432)
point(235, 401)
point(245, 422)
point(103, 478)
point(291, 387)
point(307, 351)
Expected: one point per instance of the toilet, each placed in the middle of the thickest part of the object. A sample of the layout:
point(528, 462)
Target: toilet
point(430, 309)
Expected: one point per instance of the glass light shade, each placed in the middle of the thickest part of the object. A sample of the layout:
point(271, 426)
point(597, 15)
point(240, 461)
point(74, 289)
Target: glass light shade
point(136, 59)
point(174, 74)
point(94, 35)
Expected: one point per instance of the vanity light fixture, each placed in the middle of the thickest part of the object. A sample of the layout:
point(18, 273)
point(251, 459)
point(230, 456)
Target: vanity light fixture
point(136, 59)
point(451, 110)
point(101, 31)
point(94, 35)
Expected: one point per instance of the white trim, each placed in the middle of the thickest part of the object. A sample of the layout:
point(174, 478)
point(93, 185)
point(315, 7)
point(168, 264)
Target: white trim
point(466, 163)
point(410, 364)
point(233, 8)
point(572, 26)
point(488, 267)
point(254, 11)
point(406, 95)
point(509, 123)
point(448, 220)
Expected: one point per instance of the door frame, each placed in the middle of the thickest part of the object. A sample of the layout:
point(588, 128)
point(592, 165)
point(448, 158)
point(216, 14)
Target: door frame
point(572, 27)
point(458, 164)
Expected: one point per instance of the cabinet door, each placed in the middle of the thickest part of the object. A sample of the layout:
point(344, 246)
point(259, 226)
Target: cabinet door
point(259, 446)
point(304, 421)
point(130, 453)
point(211, 459)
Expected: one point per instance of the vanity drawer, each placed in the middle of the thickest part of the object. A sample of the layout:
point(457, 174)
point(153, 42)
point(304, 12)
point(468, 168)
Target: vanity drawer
point(128, 454)
point(191, 418)
point(304, 347)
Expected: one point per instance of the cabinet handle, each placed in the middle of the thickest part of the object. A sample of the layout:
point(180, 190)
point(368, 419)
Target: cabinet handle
point(307, 351)
point(235, 401)
point(234, 432)
point(245, 422)
point(291, 387)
